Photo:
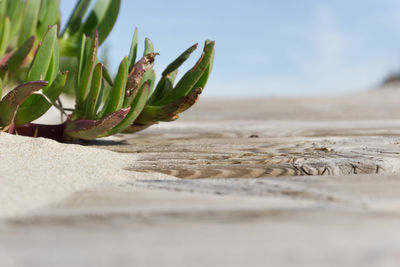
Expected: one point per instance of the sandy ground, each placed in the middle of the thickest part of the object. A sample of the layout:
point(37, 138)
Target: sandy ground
point(39, 172)
point(322, 188)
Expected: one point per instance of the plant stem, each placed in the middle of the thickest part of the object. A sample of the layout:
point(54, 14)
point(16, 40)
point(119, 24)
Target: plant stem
point(54, 132)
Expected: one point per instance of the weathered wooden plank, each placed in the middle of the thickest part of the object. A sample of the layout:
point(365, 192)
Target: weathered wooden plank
point(197, 156)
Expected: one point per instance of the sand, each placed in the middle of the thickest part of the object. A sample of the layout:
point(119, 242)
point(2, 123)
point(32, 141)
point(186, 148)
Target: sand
point(36, 172)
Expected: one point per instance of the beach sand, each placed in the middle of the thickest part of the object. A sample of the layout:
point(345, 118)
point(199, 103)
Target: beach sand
point(38, 172)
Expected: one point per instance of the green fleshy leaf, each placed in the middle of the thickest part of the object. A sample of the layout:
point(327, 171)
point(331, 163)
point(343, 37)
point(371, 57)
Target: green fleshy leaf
point(87, 62)
point(71, 37)
point(133, 51)
point(36, 105)
point(3, 9)
point(169, 112)
point(81, 63)
point(190, 79)
point(117, 94)
point(18, 57)
point(3, 73)
point(75, 21)
point(102, 18)
point(149, 77)
point(154, 114)
point(93, 97)
point(3, 78)
point(201, 83)
point(179, 61)
point(164, 86)
point(48, 16)
point(15, 13)
point(137, 106)
point(42, 11)
point(54, 65)
point(148, 47)
point(42, 60)
point(107, 76)
point(30, 20)
point(91, 129)
point(10, 103)
point(101, 96)
point(4, 36)
point(14, 7)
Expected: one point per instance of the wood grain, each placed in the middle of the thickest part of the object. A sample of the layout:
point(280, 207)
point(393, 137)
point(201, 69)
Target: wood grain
point(212, 156)
point(350, 134)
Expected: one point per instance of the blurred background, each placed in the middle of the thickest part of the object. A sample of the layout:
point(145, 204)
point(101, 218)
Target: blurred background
point(269, 48)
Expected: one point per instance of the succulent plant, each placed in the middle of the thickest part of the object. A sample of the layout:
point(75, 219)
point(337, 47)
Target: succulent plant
point(39, 62)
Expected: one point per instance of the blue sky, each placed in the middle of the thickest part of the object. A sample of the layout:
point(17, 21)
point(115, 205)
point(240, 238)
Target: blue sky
point(269, 47)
